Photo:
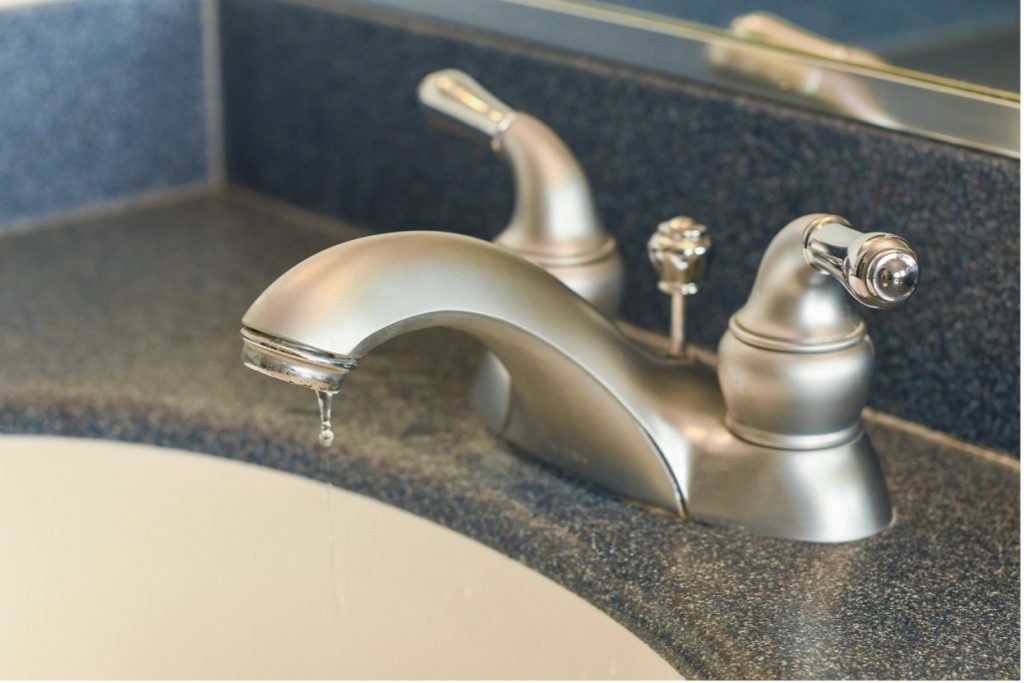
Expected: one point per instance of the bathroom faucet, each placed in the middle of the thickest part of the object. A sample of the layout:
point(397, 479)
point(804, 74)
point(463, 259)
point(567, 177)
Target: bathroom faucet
point(771, 441)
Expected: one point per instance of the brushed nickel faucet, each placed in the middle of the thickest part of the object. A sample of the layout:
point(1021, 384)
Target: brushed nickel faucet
point(770, 440)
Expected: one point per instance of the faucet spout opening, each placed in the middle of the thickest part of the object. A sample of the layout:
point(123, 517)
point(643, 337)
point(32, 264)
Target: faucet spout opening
point(295, 363)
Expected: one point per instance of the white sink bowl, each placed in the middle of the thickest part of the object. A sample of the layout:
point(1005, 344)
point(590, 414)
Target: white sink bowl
point(129, 561)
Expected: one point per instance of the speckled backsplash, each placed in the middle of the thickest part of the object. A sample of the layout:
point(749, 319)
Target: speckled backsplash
point(108, 99)
point(321, 111)
point(102, 100)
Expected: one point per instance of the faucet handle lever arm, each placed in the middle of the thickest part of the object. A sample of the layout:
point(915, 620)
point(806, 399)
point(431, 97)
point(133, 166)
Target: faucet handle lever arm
point(878, 269)
point(457, 102)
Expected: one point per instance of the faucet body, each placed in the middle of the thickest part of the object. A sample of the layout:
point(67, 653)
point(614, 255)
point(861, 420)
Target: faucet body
point(583, 397)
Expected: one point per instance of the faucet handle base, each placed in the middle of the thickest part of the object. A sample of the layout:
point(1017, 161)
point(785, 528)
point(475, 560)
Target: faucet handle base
point(832, 495)
point(792, 399)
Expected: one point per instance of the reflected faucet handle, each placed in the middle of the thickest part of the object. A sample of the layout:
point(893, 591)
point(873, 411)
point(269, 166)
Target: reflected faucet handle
point(679, 250)
point(456, 101)
point(768, 28)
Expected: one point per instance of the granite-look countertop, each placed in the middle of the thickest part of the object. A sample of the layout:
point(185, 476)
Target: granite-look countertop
point(125, 326)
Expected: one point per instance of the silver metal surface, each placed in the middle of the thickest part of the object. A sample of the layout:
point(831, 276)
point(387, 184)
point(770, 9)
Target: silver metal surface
point(455, 101)
point(678, 250)
point(587, 399)
point(561, 354)
point(554, 224)
point(880, 270)
point(887, 96)
point(796, 362)
point(840, 92)
point(295, 363)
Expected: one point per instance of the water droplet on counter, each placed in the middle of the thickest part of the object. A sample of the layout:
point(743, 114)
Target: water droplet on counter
point(323, 398)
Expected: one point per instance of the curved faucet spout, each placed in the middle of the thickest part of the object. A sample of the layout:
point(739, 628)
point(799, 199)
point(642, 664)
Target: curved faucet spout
point(579, 396)
point(350, 298)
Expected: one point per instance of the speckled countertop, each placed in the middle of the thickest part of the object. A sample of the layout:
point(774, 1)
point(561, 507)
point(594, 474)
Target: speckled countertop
point(126, 326)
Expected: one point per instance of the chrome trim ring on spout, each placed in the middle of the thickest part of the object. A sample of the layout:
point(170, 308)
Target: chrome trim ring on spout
point(293, 362)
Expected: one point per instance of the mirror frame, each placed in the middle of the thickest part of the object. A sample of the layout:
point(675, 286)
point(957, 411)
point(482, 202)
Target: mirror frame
point(909, 101)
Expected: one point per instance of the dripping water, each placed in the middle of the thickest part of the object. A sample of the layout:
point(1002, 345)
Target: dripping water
point(323, 398)
point(326, 438)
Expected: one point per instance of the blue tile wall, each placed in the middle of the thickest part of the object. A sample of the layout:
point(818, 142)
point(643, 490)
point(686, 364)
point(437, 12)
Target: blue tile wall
point(102, 100)
point(321, 111)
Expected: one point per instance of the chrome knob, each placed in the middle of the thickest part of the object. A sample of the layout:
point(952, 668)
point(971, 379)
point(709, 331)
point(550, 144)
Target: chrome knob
point(881, 270)
point(878, 269)
point(679, 251)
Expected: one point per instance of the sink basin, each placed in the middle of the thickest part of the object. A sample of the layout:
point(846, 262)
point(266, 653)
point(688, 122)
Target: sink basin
point(123, 560)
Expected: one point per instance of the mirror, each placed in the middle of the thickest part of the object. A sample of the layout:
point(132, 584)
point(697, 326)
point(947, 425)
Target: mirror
point(976, 42)
point(943, 69)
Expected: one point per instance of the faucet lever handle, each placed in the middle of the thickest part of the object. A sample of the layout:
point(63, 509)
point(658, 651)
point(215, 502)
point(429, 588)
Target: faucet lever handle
point(455, 100)
point(679, 250)
point(878, 269)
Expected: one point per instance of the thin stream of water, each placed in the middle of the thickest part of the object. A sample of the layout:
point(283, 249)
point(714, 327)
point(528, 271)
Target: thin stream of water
point(326, 438)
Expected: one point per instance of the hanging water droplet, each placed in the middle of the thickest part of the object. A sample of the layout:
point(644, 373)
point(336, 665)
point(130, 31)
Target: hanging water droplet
point(323, 398)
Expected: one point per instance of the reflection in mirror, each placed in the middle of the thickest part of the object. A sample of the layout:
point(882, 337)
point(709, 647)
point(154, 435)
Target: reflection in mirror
point(824, 58)
point(976, 41)
point(841, 92)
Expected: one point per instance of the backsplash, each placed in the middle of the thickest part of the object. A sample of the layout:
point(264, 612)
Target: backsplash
point(110, 99)
point(320, 110)
point(103, 100)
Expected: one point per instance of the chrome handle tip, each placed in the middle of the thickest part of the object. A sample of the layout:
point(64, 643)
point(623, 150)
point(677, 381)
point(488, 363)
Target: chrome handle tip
point(879, 269)
point(882, 271)
point(894, 277)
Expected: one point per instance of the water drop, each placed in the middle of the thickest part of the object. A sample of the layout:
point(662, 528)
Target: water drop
point(323, 398)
